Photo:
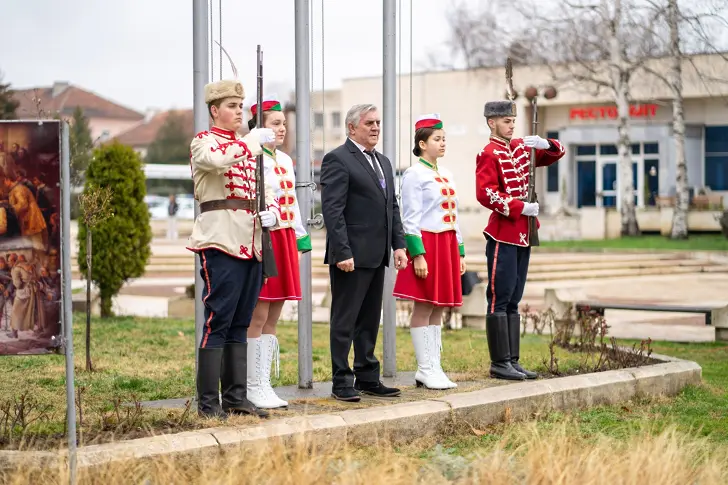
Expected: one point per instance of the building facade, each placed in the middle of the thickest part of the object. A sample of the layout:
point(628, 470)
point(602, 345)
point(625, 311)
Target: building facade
point(142, 135)
point(106, 119)
point(584, 120)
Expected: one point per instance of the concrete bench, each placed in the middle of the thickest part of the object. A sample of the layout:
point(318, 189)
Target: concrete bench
point(565, 300)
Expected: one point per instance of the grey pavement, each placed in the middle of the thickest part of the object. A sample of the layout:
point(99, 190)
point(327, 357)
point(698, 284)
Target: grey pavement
point(320, 390)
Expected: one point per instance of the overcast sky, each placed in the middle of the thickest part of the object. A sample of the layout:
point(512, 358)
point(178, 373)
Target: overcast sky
point(139, 52)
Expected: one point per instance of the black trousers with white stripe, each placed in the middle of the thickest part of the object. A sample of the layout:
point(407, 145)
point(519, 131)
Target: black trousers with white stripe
point(507, 271)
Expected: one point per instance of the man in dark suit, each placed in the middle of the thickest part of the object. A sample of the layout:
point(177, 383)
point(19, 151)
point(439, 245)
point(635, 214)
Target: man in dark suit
point(363, 225)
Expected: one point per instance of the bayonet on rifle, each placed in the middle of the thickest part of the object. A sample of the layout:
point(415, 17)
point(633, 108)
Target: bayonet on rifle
point(532, 195)
point(269, 263)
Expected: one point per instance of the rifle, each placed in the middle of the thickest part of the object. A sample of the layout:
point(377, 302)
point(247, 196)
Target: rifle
point(269, 263)
point(532, 195)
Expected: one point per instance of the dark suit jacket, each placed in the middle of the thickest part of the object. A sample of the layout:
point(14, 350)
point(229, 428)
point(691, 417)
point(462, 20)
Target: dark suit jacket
point(362, 220)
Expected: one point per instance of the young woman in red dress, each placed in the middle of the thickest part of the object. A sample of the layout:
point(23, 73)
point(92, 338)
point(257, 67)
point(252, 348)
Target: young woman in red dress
point(289, 238)
point(435, 249)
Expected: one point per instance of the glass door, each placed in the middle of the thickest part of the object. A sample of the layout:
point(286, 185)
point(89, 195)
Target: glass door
point(586, 173)
point(607, 182)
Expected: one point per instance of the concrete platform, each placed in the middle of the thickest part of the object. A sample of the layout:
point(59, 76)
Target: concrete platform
point(321, 390)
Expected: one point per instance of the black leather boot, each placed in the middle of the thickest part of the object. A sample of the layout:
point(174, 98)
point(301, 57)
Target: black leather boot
point(208, 384)
point(235, 382)
point(496, 327)
point(514, 339)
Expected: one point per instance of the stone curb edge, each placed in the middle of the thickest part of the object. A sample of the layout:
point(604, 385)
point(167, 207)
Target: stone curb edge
point(401, 422)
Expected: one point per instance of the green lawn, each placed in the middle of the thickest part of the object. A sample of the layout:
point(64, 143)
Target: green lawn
point(702, 242)
point(152, 359)
point(149, 359)
point(698, 412)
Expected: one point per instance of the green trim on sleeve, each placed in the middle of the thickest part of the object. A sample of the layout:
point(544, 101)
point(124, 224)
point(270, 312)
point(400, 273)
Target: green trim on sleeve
point(304, 243)
point(414, 245)
point(461, 248)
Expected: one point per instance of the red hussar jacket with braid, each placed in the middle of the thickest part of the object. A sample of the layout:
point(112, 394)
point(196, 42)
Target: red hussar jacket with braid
point(501, 178)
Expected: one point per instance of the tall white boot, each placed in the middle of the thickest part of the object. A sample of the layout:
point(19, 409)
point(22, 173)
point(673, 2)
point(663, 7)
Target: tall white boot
point(255, 391)
point(269, 345)
point(424, 347)
point(436, 333)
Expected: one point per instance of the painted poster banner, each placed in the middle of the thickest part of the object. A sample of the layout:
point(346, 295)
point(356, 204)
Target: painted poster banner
point(30, 237)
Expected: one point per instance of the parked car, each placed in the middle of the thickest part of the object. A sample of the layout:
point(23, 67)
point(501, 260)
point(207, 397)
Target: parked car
point(159, 206)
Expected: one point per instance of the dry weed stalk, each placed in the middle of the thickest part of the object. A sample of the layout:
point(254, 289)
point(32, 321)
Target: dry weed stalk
point(585, 331)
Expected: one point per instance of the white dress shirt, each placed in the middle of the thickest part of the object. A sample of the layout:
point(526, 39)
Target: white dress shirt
point(369, 159)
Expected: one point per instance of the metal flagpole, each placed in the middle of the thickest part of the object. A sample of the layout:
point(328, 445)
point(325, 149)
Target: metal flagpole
point(200, 76)
point(67, 298)
point(303, 189)
point(389, 127)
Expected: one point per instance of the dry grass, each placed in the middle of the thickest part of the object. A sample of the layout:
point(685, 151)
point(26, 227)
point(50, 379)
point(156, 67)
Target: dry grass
point(525, 454)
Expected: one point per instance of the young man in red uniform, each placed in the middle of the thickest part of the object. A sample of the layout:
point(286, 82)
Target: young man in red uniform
point(502, 186)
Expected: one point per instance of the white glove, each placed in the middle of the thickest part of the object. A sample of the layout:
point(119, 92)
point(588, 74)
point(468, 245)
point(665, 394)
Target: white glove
point(530, 209)
point(264, 135)
point(536, 141)
point(267, 218)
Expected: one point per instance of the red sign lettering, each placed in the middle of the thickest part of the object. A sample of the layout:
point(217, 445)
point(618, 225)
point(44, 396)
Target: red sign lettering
point(602, 112)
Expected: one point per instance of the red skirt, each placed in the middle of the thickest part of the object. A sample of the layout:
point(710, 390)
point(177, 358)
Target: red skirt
point(442, 286)
point(287, 285)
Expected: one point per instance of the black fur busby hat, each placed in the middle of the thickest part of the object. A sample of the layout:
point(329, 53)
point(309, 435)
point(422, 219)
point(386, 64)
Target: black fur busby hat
point(499, 108)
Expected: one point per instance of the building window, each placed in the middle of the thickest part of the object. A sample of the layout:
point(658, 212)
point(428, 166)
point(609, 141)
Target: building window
point(586, 150)
point(552, 171)
point(335, 119)
point(318, 121)
point(597, 175)
point(716, 157)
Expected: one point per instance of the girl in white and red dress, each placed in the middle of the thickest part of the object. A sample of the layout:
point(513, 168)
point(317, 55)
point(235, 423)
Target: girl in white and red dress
point(289, 238)
point(434, 246)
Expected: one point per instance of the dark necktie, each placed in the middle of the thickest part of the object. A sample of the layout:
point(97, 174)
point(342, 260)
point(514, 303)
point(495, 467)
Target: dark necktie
point(377, 170)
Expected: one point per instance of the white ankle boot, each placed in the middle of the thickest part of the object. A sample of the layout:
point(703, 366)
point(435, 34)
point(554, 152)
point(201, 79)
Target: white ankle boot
point(270, 351)
point(436, 333)
point(255, 391)
point(425, 346)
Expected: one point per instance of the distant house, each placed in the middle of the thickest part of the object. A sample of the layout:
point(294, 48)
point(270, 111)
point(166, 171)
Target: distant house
point(143, 133)
point(106, 118)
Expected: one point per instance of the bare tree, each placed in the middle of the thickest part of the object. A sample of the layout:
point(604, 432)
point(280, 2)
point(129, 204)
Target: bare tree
point(680, 215)
point(96, 208)
point(691, 28)
point(484, 37)
point(601, 46)
point(588, 45)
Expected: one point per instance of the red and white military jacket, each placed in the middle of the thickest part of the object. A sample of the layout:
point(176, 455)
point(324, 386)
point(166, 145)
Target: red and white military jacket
point(501, 185)
point(223, 167)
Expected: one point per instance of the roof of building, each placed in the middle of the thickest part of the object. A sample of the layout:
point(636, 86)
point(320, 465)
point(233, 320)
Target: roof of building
point(63, 98)
point(145, 132)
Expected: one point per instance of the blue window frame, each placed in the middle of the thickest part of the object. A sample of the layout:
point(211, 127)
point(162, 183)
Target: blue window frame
point(716, 157)
point(552, 171)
